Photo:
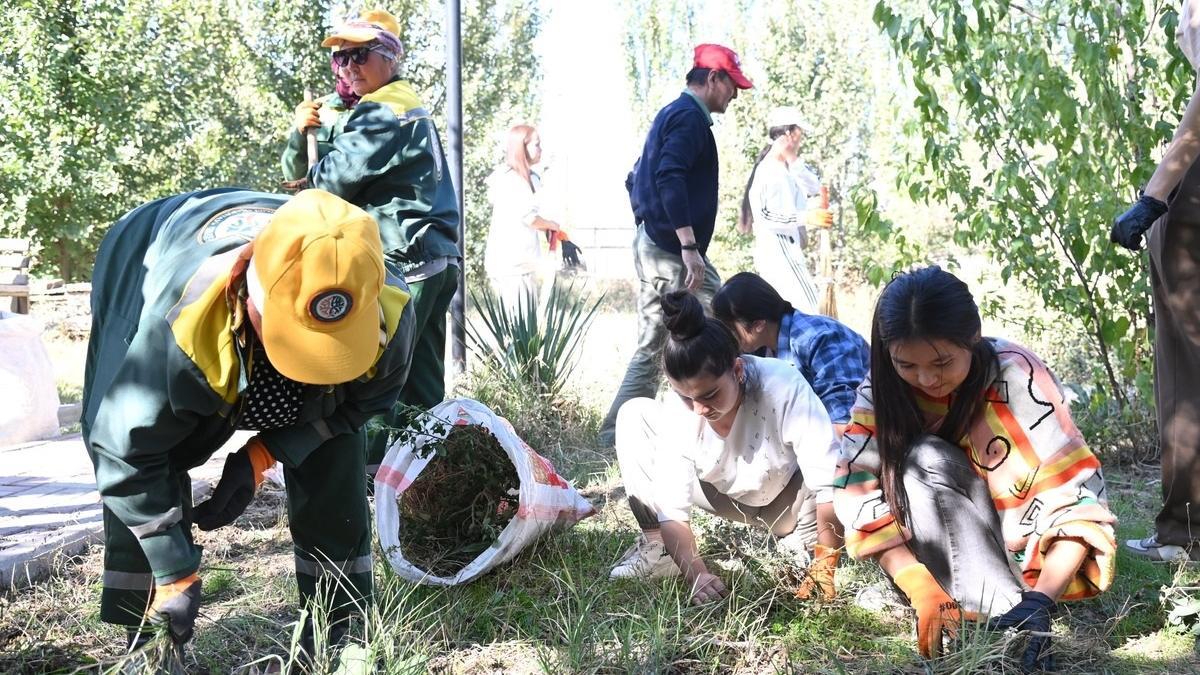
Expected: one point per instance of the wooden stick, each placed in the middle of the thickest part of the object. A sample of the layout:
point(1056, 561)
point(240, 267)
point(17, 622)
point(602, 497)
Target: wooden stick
point(828, 301)
point(310, 134)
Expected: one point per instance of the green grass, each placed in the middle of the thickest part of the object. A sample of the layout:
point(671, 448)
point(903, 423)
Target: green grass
point(554, 610)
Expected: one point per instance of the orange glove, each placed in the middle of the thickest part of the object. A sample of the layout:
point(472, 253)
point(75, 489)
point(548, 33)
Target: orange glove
point(177, 604)
point(820, 217)
point(555, 236)
point(819, 576)
point(260, 459)
point(936, 611)
point(306, 116)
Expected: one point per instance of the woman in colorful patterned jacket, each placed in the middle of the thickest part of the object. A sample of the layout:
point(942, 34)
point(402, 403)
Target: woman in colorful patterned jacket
point(963, 474)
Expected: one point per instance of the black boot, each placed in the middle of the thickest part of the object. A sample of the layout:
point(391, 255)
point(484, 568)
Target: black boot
point(335, 636)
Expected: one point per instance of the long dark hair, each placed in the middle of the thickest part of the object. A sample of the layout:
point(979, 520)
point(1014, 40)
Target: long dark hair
point(746, 298)
point(927, 304)
point(745, 222)
point(696, 343)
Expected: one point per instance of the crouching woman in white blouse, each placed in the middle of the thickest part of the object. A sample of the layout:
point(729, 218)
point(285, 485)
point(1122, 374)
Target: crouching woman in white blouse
point(743, 438)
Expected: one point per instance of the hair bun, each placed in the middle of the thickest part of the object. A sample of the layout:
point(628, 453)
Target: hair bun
point(683, 315)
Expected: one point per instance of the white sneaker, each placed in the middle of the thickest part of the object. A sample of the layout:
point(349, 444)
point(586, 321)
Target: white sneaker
point(1151, 549)
point(646, 559)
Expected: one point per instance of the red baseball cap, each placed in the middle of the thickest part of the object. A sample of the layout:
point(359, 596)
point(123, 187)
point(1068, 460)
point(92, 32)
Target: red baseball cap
point(721, 58)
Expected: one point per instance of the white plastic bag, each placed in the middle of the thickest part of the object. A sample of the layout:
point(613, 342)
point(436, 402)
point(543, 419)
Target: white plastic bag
point(547, 501)
point(28, 394)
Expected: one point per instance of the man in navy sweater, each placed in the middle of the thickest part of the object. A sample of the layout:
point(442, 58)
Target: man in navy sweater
point(674, 193)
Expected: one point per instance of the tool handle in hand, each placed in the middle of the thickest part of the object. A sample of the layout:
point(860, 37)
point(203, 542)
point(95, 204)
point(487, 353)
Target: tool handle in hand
point(824, 196)
point(310, 134)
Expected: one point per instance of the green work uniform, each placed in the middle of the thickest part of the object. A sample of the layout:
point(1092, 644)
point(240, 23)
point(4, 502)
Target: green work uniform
point(168, 371)
point(333, 114)
point(387, 159)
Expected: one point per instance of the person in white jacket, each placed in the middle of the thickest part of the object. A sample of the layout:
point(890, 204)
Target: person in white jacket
point(775, 207)
point(517, 234)
point(743, 438)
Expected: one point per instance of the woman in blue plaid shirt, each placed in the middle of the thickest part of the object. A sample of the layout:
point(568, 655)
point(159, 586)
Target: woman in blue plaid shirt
point(832, 357)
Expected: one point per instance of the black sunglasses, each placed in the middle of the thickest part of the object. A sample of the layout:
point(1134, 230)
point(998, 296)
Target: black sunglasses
point(359, 55)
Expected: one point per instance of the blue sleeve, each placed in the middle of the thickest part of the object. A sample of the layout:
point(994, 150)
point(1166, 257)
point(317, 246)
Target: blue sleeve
point(681, 146)
point(839, 362)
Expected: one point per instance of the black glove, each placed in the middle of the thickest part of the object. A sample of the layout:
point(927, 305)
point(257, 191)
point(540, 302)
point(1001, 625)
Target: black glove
point(176, 605)
point(570, 255)
point(1128, 228)
point(1032, 614)
point(231, 496)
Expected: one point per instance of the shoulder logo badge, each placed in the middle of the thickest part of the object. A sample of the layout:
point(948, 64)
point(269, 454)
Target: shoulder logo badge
point(242, 223)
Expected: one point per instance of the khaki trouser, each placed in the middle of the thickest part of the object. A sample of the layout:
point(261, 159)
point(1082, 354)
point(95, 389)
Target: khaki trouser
point(1174, 244)
point(659, 272)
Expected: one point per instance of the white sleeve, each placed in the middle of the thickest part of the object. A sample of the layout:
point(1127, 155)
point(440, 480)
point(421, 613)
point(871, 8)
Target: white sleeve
point(807, 429)
point(526, 201)
point(777, 203)
point(512, 201)
point(809, 183)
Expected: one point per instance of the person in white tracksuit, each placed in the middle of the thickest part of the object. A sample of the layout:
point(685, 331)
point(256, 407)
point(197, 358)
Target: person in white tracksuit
point(776, 208)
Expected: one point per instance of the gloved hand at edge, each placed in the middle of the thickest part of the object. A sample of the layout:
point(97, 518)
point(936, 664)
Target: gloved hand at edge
point(242, 475)
point(176, 604)
point(1128, 228)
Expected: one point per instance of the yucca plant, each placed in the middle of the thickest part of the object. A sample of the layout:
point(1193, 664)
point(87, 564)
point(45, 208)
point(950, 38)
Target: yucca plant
point(535, 345)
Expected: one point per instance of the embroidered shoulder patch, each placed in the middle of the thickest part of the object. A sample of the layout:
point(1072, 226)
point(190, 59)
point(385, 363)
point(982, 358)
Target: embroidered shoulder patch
point(243, 222)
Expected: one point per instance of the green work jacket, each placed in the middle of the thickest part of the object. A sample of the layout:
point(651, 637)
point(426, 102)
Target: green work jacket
point(388, 160)
point(168, 362)
point(333, 114)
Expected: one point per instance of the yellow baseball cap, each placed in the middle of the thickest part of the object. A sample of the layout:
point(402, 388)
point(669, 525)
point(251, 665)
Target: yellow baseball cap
point(383, 19)
point(372, 25)
point(315, 277)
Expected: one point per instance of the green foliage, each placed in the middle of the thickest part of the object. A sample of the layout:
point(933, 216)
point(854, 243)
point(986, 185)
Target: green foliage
point(1034, 124)
point(799, 54)
point(109, 104)
point(532, 345)
point(462, 500)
